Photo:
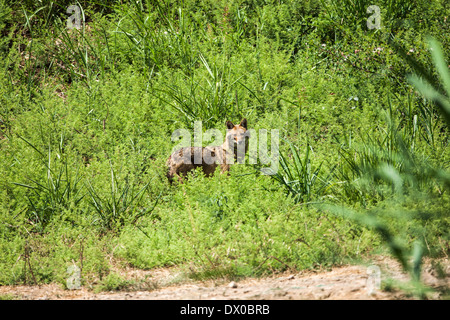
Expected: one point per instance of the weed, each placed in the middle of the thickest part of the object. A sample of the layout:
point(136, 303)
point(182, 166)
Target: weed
point(124, 204)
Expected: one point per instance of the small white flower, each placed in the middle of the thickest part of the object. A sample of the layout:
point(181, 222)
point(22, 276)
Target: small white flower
point(378, 50)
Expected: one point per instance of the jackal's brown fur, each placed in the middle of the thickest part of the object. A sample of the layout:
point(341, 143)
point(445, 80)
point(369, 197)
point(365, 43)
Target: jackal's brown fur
point(181, 161)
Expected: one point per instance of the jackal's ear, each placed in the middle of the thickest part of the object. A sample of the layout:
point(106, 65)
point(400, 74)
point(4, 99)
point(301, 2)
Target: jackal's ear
point(244, 123)
point(230, 125)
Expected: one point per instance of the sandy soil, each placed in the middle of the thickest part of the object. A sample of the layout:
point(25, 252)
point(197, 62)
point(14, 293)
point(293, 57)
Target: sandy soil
point(340, 283)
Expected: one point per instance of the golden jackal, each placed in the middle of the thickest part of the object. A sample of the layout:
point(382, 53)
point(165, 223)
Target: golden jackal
point(208, 158)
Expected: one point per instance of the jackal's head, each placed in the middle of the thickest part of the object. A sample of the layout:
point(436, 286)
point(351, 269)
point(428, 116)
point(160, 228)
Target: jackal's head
point(237, 137)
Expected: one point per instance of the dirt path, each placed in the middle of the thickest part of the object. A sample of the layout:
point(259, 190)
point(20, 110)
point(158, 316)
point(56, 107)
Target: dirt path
point(347, 282)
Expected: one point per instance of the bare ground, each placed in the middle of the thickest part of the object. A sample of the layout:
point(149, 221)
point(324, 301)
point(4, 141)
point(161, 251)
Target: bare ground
point(340, 283)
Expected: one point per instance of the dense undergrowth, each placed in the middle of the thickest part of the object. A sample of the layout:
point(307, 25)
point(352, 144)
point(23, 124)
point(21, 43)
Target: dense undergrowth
point(86, 118)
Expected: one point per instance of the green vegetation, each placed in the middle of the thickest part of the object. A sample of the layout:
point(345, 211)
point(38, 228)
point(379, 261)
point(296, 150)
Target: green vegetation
point(86, 117)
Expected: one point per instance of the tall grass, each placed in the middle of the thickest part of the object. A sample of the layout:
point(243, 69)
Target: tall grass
point(354, 12)
point(209, 100)
point(152, 36)
point(58, 189)
point(301, 180)
point(124, 203)
point(84, 54)
point(393, 162)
